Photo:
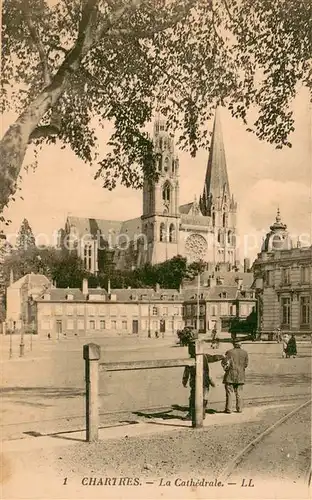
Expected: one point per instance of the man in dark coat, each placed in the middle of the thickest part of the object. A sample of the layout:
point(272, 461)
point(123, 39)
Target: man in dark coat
point(235, 362)
point(189, 375)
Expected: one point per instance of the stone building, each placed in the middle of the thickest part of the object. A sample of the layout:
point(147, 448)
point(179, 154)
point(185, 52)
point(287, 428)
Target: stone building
point(95, 311)
point(217, 299)
point(20, 297)
point(283, 281)
point(203, 229)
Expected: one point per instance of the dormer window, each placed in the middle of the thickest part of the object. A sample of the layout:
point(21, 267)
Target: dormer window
point(69, 296)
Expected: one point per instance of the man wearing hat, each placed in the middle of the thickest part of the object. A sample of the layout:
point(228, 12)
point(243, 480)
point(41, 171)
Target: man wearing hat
point(234, 364)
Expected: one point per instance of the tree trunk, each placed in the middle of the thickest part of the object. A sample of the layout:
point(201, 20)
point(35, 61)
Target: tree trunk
point(13, 145)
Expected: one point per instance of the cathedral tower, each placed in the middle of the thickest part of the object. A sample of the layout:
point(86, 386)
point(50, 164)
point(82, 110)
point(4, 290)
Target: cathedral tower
point(216, 201)
point(161, 201)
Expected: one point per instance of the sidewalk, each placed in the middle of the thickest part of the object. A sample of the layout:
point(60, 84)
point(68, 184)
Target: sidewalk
point(135, 428)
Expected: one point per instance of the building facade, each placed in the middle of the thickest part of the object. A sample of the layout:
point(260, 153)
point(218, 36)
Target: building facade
point(217, 300)
point(199, 230)
point(283, 280)
point(97, 312)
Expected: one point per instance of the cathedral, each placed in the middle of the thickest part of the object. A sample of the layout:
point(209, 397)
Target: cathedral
point(199, 230)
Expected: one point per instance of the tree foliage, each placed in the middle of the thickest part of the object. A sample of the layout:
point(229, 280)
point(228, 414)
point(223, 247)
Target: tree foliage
point(65, 62)
point(63, 268)
point(25, 238)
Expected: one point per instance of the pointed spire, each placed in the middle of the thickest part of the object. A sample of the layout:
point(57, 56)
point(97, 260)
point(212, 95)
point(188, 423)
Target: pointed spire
point(278, 224)
point(216, 181)
point(278, 216)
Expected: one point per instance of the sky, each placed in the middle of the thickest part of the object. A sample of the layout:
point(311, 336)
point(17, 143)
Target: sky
point(261, 178)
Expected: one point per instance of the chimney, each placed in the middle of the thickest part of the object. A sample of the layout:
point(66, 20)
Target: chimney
point(220, 280)
point(212, 281)
point(239, 282)
point(246, 265)
point(157, 288)
point(85, 286)
point(109, 287)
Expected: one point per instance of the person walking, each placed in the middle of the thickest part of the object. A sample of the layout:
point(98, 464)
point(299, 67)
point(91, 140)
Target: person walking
point(234, 364)
point(285, 340)
point(291, 349)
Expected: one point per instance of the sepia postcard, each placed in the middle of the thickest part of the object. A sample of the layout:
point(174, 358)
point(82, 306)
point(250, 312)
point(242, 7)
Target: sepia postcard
point(155, 249)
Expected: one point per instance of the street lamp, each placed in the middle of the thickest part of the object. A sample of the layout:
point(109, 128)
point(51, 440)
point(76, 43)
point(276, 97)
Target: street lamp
point(11, 331)
point(22, 345)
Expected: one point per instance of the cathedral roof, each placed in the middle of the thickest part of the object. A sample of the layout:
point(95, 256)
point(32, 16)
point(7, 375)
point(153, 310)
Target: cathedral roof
point(186, 208)
point(92, 226)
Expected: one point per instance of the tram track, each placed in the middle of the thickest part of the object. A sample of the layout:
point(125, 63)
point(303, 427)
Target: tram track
point(233, 465)
point(249, 402)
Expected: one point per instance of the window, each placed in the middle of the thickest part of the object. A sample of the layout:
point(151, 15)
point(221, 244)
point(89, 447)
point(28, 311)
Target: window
point(224, 219)
point(69, 310)
point(155, 311)
point(269, 278)
point(144, 324)
point(155, 325)
point(304, 310)
point(91, 310)
point(224, 308)
point(213, 218)
point(87, 257)
point(285, 276)
point(59, 310)
point(232, 310)
point(305, 274)
point(114, 324)
point(92, 324)
point(202, 309)
point(124, 325)
point(102, 324)
point(229, 237)
point(202, 324)
point(171, 233)
point(188, 322)
point(70, 324)
point(166, 162)
point(171, 325)
point(80, 310)
point(80, 324)
point(162, 232)
point(213, 311)
point(189, 310)
point(113, 311)
point(166, 192)
point(173, 166)
point(285, 305)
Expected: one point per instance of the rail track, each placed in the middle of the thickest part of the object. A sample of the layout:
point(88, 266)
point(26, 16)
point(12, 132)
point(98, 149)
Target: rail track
point(233, 465)
point(264, 400)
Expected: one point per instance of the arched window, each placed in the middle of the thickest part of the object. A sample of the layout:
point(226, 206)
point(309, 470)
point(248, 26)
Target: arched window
point(219, 236)
point(162, 232)
point(173, 166)
point(229, 237)
point(171, 233)
point(224, 219)
point(166, 192)
point(160, 143)
point(166, 164)
point(87, 257)
point(213, 219)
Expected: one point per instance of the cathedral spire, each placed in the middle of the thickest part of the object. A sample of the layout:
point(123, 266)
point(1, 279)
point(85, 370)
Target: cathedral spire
point(216, 181)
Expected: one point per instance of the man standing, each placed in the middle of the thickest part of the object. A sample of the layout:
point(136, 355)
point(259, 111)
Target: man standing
point(235, 362)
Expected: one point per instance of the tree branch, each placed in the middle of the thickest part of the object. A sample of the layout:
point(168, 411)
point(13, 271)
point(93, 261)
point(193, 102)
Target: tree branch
point(36, 39)
point(163, 26)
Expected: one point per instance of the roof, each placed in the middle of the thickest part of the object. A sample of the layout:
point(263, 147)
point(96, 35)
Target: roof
point(60, 294)
point(127, 294)
point(229, 278)
point(214, 293)
point(32, 280)
point(93, 226)
point(186, 208)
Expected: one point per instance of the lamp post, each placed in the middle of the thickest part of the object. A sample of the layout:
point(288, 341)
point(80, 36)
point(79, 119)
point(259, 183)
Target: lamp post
point(198, 290)
point(22, 345)
point(11, 331)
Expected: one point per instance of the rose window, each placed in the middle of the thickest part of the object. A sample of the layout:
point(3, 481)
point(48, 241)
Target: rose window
point(196, 247)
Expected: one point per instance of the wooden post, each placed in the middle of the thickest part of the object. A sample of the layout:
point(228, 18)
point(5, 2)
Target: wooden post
point(197, 421)
point(91, 355)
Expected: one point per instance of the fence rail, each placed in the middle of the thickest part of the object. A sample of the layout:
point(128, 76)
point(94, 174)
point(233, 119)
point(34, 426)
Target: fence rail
point(93, 368)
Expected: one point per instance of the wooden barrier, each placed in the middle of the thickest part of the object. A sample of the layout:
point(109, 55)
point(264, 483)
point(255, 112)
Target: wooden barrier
point(92, 354)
